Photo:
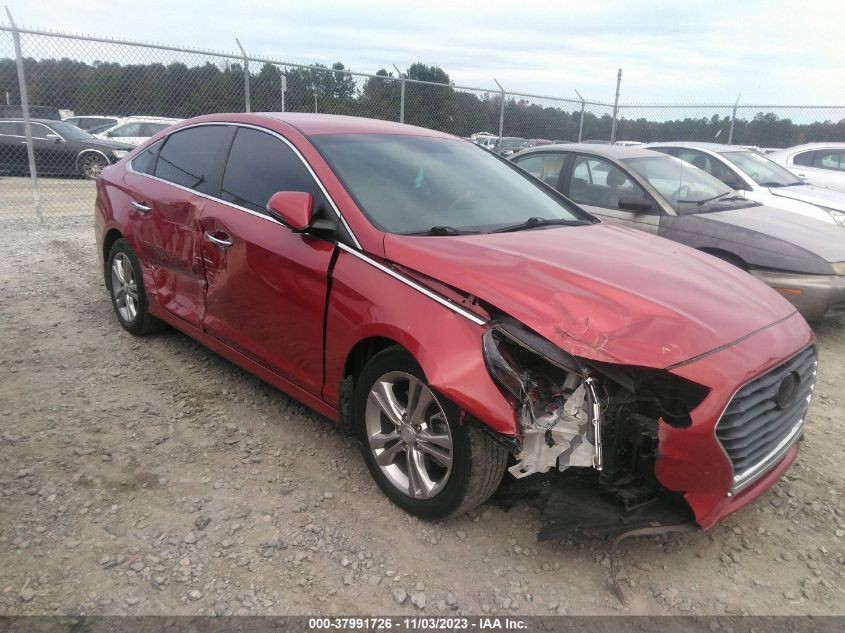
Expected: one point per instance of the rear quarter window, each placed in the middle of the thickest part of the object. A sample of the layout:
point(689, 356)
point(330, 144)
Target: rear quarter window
point(190, 157)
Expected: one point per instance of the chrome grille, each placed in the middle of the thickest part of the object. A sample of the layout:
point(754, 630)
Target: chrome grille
point(760, 424)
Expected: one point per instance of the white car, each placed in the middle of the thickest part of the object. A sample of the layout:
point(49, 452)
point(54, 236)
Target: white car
point(758, 178)
point(135, 130)
point(90, 121)
point(821, 164)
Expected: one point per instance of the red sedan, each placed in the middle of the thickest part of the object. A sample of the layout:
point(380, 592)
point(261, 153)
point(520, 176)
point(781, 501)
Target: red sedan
point(458, 316)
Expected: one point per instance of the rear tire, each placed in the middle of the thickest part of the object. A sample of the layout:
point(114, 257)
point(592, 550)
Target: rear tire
point(125, 282)
point(423, 456)
point(91, 164)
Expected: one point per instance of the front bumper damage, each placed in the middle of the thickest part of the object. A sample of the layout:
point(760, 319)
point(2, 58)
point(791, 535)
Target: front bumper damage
point(646, 435)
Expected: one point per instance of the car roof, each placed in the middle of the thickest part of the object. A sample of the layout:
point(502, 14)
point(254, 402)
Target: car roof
point(713, 147)
point(798, 148)
point(315, 124)
point(611, 151)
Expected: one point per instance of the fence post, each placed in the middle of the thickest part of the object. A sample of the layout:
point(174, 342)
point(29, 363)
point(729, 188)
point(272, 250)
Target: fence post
point(247, 107)
point(284, 81)
point(581, 124)
point(30, 153)
point(401, 94)
point(501, 114)
point(615, 107)
point(733, 121)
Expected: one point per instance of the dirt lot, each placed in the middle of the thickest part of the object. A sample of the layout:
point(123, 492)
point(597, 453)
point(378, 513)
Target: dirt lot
point(151, 476)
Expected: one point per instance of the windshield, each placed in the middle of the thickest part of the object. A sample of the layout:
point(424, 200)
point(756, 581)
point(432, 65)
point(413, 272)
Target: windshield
point(409, 184)
point(678, 182)
point(762, 170)
point(70, 132)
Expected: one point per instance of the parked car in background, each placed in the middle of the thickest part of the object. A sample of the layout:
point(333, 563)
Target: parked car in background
point(135, 130)
point(60, 149)
point(758, 178)
point(35, 112)
point(455, 313)
point(539, 142)
point(802, 258)
point(509, 145)
point(92, 121)
point(821, 164)
point(628, 143)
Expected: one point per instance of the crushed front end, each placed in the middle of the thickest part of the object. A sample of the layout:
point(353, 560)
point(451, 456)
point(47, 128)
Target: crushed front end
point(711, 433)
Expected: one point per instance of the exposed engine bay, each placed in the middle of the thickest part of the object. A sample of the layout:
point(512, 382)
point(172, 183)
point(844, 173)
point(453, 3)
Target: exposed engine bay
point(575, 413)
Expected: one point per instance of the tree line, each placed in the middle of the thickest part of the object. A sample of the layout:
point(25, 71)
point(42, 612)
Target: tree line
point(179, 90)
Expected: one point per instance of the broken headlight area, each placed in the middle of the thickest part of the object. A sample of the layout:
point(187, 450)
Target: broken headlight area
point(574, 412)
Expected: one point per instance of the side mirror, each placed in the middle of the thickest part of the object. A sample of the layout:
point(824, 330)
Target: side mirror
point(55, 138)
point(294, 209)
point(637, 204)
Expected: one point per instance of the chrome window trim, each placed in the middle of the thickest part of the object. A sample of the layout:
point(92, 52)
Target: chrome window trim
point(286, 142)
point(416, 286)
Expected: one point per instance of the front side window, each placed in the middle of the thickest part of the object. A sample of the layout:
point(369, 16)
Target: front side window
point(189, 157)
point(412, 184)
point(151, 129)
point(40, 131)
point(599, 183)
point(546, 166)
point(761, 170)
point(259, 165)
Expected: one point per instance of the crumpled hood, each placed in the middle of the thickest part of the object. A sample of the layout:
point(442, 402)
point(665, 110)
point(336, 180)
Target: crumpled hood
point(814, 195)
point(603, 292)
point(814, 236)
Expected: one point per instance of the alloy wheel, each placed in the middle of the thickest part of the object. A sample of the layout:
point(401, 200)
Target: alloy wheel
point(92, 165)
point(409, 435)
point(124, 287)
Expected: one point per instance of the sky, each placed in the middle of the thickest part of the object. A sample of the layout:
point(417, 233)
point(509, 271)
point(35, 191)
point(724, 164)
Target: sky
point(771, 51)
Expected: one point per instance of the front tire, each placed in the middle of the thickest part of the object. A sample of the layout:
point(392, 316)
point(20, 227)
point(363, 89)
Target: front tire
point(423, 456)
point(125, 282)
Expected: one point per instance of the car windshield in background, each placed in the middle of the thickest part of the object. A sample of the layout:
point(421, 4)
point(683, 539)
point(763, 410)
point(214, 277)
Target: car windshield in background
point(414, 184)
point(70, 132)
point(762, 170)
point(686, 188)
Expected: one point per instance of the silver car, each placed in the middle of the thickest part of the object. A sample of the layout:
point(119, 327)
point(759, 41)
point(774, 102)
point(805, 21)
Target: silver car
point(821, 164)
point(802, 258)
point(758, 178)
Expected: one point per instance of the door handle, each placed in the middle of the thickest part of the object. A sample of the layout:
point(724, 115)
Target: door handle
point(140, 207)
point(219, 238)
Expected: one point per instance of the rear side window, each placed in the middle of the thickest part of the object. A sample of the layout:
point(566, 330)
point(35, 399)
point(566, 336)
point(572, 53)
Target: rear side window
point(189, 158)
point(805, 158)
point(830, 159)
point(545, 166)
point(11, 128)
point(145, 161)
point(260, 165)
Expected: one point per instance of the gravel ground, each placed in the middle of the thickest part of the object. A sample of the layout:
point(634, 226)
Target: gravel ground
point(150, 476)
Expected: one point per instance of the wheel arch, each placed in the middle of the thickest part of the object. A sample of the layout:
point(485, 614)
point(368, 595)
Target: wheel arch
point(726, 256)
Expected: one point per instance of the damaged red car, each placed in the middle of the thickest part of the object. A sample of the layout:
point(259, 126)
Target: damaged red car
point(463, 319)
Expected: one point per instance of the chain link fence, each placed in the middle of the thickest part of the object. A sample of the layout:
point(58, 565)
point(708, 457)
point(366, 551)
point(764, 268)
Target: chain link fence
point(124, 92)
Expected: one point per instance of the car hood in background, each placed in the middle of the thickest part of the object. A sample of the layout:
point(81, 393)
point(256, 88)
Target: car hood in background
point(603, 292)
point(830, 198)
point(827, 241)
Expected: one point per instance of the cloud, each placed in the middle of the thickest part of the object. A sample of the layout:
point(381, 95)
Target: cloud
point(669, 51)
